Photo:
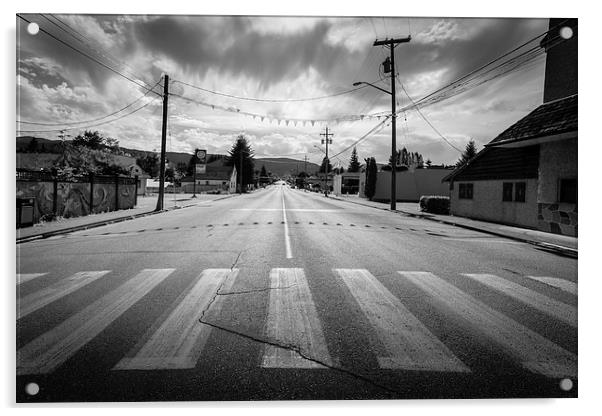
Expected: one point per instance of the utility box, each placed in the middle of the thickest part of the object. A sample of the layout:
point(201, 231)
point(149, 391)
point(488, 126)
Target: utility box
point(25, 212)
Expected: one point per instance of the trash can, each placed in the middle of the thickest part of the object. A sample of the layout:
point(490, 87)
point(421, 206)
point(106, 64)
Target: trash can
point(25, 210)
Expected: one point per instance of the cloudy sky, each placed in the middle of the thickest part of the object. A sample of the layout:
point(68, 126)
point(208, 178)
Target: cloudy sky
point(269, 60)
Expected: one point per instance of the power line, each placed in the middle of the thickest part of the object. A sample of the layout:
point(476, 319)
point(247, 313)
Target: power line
point(94, 119)
point(88, 56)
point(270, 100)
point(82, 39)
point(373, 130)
point(87, 127)
point(428, 122)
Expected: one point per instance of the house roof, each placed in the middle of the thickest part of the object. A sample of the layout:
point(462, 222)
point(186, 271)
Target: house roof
point(549, 119)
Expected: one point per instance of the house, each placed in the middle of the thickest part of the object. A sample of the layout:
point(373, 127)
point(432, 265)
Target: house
point(346, 183)
point(527, 175)
point(217, 177)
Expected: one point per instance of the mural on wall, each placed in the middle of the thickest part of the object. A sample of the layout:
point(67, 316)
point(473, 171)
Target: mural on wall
point(42, 192)
point(104, 198)
point(73, 198)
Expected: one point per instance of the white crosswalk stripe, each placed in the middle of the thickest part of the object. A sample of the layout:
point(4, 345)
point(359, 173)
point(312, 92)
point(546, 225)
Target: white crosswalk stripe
point(26, 277)
point(564, 285)
point(179, 340)
point(531, 350)
point(410, 345)
point(41, 298)
point(559, 310)
point(293, 321)
point(51, 349)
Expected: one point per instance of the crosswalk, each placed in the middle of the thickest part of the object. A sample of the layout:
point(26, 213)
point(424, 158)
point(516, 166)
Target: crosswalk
point(293, 332)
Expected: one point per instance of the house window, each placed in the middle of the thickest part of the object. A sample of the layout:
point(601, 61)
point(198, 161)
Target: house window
point(520, 191)
point(507, 191)
point(206, 182)
point(465, 191)
point(567, 191)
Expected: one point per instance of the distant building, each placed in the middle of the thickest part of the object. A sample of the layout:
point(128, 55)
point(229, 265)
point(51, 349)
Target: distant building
point(527, 175)
point(410, 184)
point(217, 177)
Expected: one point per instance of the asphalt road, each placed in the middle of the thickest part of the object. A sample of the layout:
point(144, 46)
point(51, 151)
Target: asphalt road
point(284, 295)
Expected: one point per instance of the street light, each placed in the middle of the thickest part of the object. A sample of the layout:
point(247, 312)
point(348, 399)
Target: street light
point(393, 137)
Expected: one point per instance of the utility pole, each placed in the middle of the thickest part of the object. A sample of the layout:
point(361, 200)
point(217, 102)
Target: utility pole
point(327, 141)
point(391, 43)
point(163, 141)
point(240, 164)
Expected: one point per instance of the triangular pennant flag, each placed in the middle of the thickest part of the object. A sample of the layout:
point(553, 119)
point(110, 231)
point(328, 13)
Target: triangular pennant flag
point(313, 122)
point(287, 122)
point(262, 118)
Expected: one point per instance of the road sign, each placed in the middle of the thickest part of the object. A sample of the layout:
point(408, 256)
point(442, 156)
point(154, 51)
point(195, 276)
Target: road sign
point(200, 168)
point(201, 156)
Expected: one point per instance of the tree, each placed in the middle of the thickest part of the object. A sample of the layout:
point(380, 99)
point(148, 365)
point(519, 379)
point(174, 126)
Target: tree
point(149, 164)
point(469, 153)
point(371, 172)
point(242, 149)
point(323, 165)
point(90, 139)
point(354, 164)
point(32, 146)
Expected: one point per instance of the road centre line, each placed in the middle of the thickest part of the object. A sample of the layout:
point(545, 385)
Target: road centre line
point(287, 240)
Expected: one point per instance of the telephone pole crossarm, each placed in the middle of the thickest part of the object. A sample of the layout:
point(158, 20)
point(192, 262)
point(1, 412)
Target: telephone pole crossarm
point(391, 42)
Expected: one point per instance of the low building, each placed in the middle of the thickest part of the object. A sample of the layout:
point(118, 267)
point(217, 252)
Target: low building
point(410, 184)
point(217, 178)
point(527, 175)
point(346, 183)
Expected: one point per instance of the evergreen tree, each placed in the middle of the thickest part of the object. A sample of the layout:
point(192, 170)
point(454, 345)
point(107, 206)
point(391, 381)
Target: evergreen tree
point(242, 149)
point(32, 146)
point(354, 164)
point(90, 139)
point(371, 172)
point(263, 173)
point(323, 166)
point(469, 153)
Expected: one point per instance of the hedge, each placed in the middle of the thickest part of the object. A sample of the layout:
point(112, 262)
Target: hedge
point(435, 204)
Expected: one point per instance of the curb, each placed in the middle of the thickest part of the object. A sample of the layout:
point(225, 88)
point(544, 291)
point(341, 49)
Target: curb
point(104, 222)
point(553, 248)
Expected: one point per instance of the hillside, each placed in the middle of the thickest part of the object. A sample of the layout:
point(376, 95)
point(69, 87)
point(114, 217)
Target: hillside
point(284, 166)
point(278, 166)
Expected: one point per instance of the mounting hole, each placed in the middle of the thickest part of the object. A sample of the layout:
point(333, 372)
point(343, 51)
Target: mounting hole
point(33, 28)
point(566, 32)
point(566, 384)
point(32, 389)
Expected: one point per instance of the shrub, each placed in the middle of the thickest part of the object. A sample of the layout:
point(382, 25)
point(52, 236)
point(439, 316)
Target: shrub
point(435, 204)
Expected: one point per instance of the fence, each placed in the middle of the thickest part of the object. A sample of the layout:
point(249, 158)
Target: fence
point(77, 196)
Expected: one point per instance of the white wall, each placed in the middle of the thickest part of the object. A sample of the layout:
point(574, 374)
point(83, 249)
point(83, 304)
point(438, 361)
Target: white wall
point(410, 186)
point(556, 160)
point(487, 203)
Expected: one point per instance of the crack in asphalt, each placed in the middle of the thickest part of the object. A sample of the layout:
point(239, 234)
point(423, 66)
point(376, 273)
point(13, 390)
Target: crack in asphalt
point(289, 347)
point(298, 351)
point(264, 289)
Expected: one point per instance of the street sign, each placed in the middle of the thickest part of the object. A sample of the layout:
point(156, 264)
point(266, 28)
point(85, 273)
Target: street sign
point(200, 169)
point(201, 156)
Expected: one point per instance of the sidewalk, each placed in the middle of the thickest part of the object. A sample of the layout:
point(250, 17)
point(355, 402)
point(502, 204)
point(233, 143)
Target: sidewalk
point(146, 206)
point(560, 244)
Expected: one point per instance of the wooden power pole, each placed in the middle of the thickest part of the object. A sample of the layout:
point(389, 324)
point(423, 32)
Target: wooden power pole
point(327, 141)
point(391, 43)
point(163, 142)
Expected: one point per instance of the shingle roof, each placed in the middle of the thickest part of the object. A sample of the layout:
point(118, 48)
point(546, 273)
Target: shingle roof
point(549, 119)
